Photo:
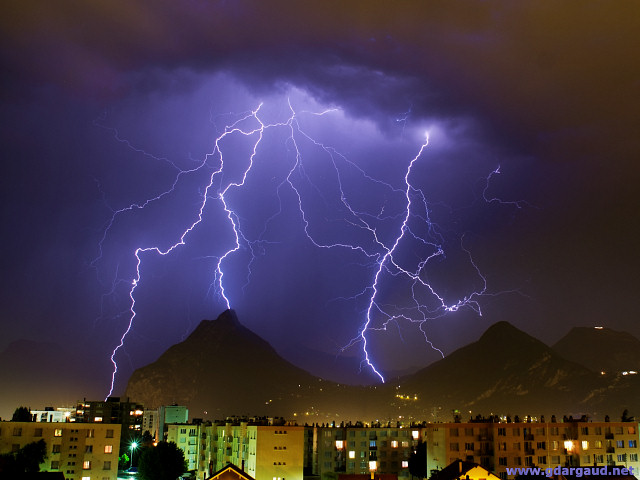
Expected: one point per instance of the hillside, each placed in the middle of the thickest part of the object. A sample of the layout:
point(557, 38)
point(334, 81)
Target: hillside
point(223, 368)
point(505, 371)
point(600, 349)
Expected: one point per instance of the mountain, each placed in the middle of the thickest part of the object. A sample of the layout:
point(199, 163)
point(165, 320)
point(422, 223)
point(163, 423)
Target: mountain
point(600, 349)
point(506, 370)
point(223, 369)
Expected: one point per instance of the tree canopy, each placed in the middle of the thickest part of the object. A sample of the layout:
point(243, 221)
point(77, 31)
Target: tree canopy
point(22, 414)
point(418, 461)
point(162, 462)
point(25, 460)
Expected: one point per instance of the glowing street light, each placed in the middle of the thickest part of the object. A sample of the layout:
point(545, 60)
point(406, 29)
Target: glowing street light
point(133, 446)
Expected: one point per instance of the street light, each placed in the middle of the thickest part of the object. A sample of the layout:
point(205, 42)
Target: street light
point(133, 446)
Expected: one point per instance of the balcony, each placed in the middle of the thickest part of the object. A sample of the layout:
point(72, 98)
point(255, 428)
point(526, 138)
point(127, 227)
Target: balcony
point(608, 436)
point(611, 450)
point(529, 437)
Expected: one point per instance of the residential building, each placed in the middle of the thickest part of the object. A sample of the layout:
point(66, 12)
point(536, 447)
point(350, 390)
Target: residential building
point(188, 438)
point(460, 470)
point(151, 422)
point(81, 451)
point(497, 446)
point(114, 410)
point(168, 414)
point(363, 449)
point(49, 414)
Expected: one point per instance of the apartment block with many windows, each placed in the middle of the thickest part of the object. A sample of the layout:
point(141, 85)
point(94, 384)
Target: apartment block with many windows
point(498, 446)
point(86, 451)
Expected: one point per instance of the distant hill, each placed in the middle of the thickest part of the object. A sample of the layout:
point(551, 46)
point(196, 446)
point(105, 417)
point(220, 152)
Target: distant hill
point(506, 370)
point(223, 368)
point(600, 349)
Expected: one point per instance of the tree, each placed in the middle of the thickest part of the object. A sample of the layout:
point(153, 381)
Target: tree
point(25, 460)
point(147, 439)
point(625, 416)
point(418, 461)
point(162, 462)
point(22, 414)
point(123, 461)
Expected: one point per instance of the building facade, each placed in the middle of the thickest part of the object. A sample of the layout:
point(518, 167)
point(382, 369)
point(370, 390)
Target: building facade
point(269, 452)
point(362, 449)
point(498, 446)
point(80, 451)
point(114, 411)
point(265, 452)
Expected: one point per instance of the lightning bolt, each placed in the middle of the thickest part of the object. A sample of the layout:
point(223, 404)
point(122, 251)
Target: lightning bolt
point(382, 252)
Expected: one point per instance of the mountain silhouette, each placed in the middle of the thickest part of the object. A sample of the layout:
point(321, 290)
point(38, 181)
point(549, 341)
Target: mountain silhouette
point(223, 369)
point(600, 349)
point(506, 370)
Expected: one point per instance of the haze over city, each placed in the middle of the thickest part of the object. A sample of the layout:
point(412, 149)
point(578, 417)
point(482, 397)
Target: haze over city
point(520, 207)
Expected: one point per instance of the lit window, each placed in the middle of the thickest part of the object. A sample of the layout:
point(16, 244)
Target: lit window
point(339, 444)
point(352, 454)
point(405, 464)
point(585, 445)
point(97, 419)
point(108, 449)
point(394, 444)
point(372, 466)
point(568, 444)
point(83, 478)
point(86, 465)
point(57, 432)
point(415, 434)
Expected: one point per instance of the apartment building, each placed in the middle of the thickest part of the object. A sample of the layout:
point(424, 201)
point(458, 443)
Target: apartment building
point(265, 452)
point(362, 449)
point(497, 446)
point(286, 452)
point(191, 439)
point(80, 451)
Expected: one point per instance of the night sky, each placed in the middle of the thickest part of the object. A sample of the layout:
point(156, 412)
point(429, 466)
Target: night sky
point(110, 115)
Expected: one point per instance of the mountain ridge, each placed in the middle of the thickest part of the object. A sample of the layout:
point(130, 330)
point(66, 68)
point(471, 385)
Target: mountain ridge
point(506, 370)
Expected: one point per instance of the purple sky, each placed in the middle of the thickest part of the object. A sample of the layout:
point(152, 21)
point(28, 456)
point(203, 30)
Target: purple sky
point(104, 103)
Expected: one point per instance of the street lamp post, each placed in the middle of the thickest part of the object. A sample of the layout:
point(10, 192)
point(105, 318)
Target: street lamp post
point(133, 446)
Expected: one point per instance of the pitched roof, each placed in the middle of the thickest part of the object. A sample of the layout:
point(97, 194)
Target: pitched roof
point(230, 472)
point(459, 469)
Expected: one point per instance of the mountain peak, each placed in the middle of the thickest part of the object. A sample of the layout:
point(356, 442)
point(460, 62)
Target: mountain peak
point(618, 351)
point(229, 317)
point(503, 331)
